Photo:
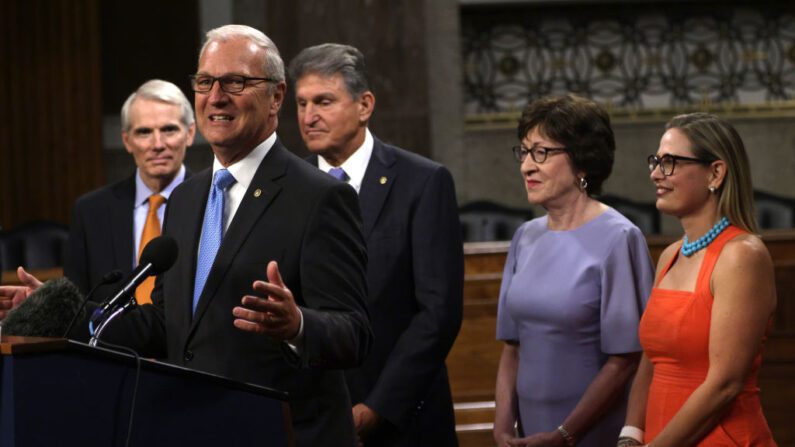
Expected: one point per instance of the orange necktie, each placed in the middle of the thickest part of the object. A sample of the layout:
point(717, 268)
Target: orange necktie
point(151, 231)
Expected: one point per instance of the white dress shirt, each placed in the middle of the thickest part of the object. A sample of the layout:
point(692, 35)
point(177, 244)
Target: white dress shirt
point(243, 171)
point(356, 165)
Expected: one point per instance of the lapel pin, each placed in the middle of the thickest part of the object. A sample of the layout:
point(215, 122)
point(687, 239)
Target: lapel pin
point(258, 192)
point(383, 180)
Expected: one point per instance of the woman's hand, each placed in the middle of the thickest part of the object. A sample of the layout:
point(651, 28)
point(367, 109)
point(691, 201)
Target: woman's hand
point(503, 439)
point(507, 404)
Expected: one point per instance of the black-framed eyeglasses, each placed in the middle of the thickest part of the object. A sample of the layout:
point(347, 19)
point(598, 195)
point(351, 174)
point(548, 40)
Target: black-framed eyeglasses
point(667, 162)
point(229, 83)
point(538, 153)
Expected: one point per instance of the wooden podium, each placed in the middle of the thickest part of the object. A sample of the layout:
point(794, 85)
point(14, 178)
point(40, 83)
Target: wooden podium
point(62, 392)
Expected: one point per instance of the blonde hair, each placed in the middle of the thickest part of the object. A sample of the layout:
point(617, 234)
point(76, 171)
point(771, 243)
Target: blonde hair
point(711, 139)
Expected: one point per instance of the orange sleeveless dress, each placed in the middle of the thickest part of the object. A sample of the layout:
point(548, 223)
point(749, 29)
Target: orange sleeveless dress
point(674, 333)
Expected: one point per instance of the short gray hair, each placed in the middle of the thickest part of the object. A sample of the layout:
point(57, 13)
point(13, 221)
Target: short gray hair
point(158, 90)
point(329, 59)
point(274, 65)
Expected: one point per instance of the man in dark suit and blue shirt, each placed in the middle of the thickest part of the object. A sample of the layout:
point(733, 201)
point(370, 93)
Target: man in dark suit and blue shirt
point(259, 211)
point(401, 394)
point(157, 126)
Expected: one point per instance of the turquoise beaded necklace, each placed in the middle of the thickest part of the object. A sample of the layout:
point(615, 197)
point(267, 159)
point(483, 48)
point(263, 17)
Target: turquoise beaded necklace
point(688, 248)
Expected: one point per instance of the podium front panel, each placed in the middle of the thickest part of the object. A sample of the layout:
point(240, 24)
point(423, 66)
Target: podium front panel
point(77, 397)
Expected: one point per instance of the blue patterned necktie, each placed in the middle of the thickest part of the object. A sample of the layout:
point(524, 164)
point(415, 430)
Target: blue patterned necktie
point(339, 174)
point(212, 231)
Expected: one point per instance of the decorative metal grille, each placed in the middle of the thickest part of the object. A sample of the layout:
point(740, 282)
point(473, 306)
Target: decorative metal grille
point(629, 57)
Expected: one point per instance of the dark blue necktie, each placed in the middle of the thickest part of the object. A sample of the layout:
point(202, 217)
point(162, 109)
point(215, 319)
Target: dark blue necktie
point(339, 174)
point(212, 231)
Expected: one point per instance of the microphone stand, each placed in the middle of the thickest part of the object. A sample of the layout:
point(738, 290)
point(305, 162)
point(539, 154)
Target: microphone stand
point(109, 278)
point(101, 327)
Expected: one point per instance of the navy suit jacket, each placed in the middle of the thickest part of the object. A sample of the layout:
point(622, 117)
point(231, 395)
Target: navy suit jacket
point(310, 224)
point(415, 280)
point(100, 237)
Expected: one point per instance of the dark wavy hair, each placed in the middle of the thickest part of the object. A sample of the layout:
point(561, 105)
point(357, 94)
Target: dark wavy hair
point(582, 127)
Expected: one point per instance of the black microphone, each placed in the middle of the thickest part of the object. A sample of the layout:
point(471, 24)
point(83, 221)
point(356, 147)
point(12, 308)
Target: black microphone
point(157, 257)
point(45, 312)
point(110, 278)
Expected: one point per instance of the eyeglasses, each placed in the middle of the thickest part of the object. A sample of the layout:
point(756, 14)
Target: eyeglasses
point(229, 84)
point(667, 162)
point(538, 153)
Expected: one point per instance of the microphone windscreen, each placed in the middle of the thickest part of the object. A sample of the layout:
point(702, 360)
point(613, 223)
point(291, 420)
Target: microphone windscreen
point(161, 252)
point(46, 312)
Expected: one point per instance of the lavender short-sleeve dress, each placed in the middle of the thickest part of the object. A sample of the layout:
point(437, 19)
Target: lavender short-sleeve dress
point(571, 299)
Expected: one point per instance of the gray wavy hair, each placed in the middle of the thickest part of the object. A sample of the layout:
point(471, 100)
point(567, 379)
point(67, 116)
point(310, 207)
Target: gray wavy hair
point(274, 65)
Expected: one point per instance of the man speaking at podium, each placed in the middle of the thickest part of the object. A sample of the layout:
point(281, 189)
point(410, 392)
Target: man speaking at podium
point(259, 209)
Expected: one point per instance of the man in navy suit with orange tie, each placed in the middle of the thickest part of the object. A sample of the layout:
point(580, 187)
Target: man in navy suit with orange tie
point(111, 225)
point(401, 394)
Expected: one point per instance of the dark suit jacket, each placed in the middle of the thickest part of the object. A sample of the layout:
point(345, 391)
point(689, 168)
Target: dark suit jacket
point(310, 224)
point(415, 280)
point(100, 237)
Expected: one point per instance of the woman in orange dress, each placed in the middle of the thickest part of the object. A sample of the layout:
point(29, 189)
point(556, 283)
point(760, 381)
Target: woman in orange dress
point(714, 296)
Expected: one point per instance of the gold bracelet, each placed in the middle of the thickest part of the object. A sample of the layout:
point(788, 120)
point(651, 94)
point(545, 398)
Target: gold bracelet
point(566, 435)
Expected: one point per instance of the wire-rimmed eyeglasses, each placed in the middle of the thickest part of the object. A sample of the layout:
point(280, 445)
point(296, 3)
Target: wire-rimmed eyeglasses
point(538, 153)
point(667, 162)
point(229, 83)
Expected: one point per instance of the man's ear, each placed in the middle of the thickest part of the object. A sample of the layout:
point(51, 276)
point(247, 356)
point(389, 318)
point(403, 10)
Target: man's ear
point(366, 105)
point(279, 91)
point(191, 133)
point(125, 136)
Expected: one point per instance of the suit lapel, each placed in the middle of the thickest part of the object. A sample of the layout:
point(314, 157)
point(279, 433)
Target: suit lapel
point(377, 182)
point(120, 223)
point(261, 192)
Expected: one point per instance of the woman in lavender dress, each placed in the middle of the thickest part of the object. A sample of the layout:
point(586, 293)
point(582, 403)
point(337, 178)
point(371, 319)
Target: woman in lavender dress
point(575, 284)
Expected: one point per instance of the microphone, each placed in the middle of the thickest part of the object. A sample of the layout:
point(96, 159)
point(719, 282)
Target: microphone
point(45, 312)
point(110, 278)
point(157, 257)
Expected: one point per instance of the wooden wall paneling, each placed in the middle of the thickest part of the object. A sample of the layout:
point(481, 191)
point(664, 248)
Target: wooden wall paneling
point(776, 382)
point(51, 123)
point(5, 141)
point(9, 113)
point(473, 360)
point(784, 319)
point(138, 45)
